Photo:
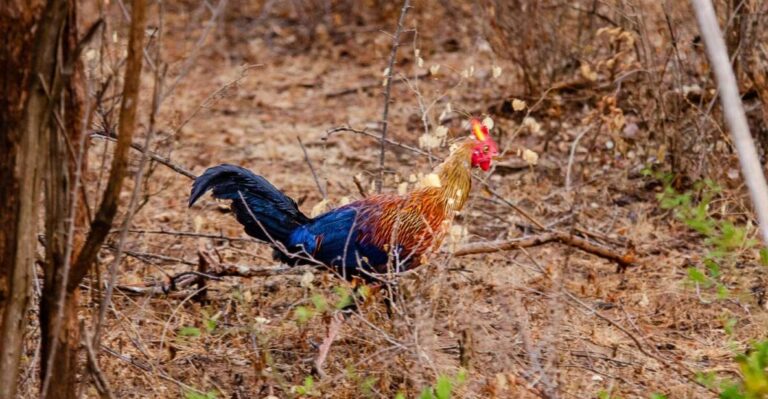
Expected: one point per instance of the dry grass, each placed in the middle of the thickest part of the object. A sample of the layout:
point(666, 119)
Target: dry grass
point(523, 323)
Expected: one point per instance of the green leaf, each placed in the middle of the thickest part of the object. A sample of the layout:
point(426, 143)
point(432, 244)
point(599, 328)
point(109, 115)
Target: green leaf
point(320, 304)
point(367, 384)
point(400, 395)
point(696, 276)
point(712, 267)
point(706, 379)
point(722, 292)
point(195, 395)
point(764, 256)
point(189, 332)
point(210, 325)
point(658, 396)
point(729, 325)
point(732, 391)
point(303, 314)
point(345, 298)
point(461, 376)
point(443, 388)
point(364, 291)
point(426, 394)
point(704, 227)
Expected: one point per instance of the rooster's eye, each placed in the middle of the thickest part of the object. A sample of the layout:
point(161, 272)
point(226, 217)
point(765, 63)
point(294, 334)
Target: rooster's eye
point(485, 149)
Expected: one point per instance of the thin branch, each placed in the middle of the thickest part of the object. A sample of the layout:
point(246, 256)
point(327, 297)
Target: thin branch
point(108, 208)
point(155, 157)
point(571, 157)
point(379, 137)
point(733, 110)
point(105, 302)
point(312, 169)
point(190, 61)
point(185, 280)
point(514, 206)
point(371, 85)
point(388, 91)
point(360, 188)
point(623, 260)
point(218, 236)
point(100, 381)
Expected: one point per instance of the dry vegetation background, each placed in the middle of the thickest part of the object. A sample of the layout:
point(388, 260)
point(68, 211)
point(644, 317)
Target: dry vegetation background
point(610, 89)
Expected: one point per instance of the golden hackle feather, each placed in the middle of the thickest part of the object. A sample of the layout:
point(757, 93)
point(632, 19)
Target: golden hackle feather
point(419, 220)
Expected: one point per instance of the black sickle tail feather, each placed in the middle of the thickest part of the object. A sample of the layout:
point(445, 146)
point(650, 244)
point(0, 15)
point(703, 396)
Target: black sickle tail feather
point(267, 207)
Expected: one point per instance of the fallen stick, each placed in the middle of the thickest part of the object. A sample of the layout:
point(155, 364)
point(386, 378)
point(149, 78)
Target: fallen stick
point(623, 260)
point(184, 280)
point(216, 236)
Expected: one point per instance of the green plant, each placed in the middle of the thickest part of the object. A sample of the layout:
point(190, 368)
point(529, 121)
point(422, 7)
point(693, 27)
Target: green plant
point(606, 395)
point(189, 331)
point(308, 388)
point(195, 395)
point(443, 388)
point(320, 304)
point(725, 240)
point(753, 383)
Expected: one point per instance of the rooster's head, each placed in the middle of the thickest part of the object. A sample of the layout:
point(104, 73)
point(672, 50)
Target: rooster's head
point(485, 149)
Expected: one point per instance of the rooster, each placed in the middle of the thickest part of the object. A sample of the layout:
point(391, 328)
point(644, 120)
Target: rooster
point(377, 234)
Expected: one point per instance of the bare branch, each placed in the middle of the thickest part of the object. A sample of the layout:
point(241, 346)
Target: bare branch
point(134, 201)
point(312, 169)
point(623, 260)
point(155, 157)
point(108, 208)
point(388, 91)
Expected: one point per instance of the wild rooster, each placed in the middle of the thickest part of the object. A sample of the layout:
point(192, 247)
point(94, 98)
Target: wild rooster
point(377, 234)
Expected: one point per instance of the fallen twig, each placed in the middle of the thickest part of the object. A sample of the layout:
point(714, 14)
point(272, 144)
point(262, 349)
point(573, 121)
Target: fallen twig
point(683, 370)
point(218, 236)
point(623, 260)
point(187, 279)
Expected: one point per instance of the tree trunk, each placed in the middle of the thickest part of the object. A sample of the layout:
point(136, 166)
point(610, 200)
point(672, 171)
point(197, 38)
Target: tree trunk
point(59, 332)
point(20, 174)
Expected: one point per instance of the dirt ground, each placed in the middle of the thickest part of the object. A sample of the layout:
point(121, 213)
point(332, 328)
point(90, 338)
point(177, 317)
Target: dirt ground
point(550, 318)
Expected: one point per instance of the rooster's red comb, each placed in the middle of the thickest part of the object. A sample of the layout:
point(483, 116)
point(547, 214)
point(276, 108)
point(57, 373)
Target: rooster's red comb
point(479, 130)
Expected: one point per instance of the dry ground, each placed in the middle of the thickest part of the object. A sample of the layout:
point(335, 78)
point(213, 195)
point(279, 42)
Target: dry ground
point(518, 320)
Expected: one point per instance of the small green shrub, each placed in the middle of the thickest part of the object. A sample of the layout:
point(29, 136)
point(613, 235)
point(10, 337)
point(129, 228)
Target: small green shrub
point(725, 241)
point(443, 388)
point(753, 383)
